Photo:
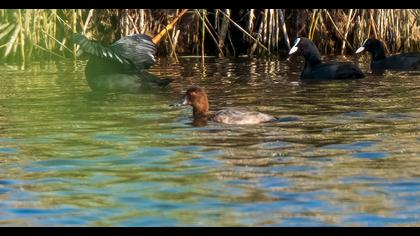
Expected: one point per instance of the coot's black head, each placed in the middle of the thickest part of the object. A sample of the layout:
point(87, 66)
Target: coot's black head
point(306, 48)
point(375, 47)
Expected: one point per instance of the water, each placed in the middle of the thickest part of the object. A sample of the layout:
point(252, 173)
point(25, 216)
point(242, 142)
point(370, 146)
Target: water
point(346, 154)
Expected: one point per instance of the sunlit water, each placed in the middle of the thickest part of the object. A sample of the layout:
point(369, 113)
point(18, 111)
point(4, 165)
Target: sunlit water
point(347, 154)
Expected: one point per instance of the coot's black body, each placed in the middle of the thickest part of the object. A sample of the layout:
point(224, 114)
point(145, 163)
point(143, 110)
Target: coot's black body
point(316, 69)
point(380, 62)
point(121, 66)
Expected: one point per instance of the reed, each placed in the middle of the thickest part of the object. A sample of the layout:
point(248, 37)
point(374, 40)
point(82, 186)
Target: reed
point(40, 34)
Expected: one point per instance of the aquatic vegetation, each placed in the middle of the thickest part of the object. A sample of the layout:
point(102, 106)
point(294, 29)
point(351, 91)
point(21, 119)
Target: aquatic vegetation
point(28, 34)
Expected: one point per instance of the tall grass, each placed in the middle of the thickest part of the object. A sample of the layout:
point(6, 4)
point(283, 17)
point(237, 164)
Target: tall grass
point(37, 34)
point(336, 31)
point(42, 34)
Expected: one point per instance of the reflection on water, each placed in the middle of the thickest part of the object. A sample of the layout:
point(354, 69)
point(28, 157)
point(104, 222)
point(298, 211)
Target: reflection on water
point(345, 152)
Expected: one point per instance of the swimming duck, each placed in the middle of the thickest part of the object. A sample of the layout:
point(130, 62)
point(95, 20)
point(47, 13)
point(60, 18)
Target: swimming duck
point(121, 66)
point(196, 97)
point(380, 62)
point(316, 69)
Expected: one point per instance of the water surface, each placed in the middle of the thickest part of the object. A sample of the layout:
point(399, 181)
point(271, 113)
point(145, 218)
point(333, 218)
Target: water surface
point(346, 154)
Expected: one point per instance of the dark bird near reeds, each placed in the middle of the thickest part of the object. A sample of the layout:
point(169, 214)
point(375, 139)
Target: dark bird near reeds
point(121, 66)
point(124, 64)
point(315, 69)
point(380, 62)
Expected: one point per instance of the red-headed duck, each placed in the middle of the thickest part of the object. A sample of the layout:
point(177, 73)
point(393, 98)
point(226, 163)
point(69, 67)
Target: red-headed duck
point(197, 98)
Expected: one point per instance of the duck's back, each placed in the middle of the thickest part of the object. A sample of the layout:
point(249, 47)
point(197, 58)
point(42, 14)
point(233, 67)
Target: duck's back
point(138, 49)
point(127, 55)
point(121, 66)
point(405, 61)
point(240, 116)
point(342, 70)
point(127, 82)
point(104, 66)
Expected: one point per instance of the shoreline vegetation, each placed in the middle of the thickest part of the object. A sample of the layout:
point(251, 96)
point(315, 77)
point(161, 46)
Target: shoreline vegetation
point(41, 34)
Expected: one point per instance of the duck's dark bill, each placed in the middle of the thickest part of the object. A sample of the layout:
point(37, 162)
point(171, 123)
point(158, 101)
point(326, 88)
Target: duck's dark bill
point(181, 102)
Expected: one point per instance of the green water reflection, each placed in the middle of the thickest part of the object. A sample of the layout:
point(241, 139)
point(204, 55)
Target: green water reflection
point(348, 155)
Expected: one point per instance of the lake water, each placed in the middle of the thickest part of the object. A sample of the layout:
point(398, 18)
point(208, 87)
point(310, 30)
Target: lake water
point(347, 153)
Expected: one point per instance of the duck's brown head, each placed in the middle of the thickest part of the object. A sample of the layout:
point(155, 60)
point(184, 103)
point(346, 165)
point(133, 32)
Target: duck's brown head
point(197, 98)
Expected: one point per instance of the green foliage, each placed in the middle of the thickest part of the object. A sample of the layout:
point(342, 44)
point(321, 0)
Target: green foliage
point(41, 34)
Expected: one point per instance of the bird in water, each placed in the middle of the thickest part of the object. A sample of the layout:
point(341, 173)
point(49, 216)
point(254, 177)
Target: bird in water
point(381, 62)
point(123, 65)
point(315, 69)
point(196, 97)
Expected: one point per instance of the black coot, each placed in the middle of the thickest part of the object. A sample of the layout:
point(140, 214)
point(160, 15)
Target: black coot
point(315, 69)
point(121, 66)
point(380, 62)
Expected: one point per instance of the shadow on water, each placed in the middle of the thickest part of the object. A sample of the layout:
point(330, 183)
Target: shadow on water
point(343, 153)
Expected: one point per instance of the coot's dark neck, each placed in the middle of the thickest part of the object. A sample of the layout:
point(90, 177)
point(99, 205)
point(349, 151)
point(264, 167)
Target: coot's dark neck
point(312, 59)
point(378, 53)
point(312, 55)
